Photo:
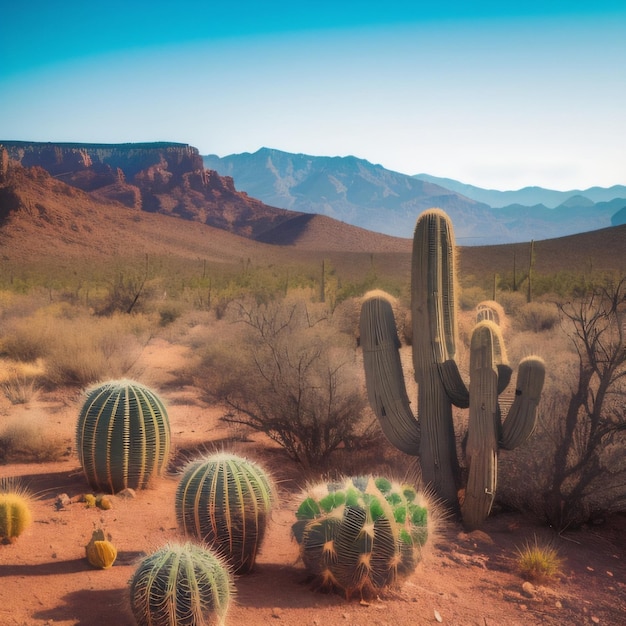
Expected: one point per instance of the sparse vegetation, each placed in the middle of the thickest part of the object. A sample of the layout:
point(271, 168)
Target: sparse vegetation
point(28, 439)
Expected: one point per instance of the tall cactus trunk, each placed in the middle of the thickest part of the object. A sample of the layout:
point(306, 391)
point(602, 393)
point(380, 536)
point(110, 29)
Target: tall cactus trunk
point(434, 343)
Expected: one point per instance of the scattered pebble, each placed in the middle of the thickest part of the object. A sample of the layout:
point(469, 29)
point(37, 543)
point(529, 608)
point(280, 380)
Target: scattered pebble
point(528, 589)
point(438, 616)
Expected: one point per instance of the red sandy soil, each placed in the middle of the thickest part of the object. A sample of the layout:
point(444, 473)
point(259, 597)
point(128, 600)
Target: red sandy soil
point(466, 579)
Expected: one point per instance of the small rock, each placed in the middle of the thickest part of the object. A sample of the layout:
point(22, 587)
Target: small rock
point(595, 620)
point(62, 501)
point(276, 612)
point(528, 589)
point(481, 537)
point(558, 604)
point(127, 493)
point(438, 616)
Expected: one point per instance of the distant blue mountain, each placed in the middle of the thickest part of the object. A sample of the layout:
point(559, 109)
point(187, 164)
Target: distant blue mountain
point(363, 194)
point(527, 196)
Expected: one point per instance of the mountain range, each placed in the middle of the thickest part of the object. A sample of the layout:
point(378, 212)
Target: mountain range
point(62, 205)
point(363, 194)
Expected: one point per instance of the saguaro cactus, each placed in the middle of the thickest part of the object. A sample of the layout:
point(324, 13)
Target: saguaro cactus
point(225, 500)
point(122, 436)
point(431, 434)
point(181, 585)
point(361, 535)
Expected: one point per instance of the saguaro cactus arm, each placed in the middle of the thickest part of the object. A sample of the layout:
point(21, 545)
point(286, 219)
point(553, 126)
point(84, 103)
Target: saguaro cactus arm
point(482, 440)
point(384, 377)
point(521, 419)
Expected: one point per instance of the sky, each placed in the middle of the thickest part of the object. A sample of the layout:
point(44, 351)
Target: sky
point(501, 95)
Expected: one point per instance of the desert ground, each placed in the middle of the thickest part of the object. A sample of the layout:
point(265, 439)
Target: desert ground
point(466, 579)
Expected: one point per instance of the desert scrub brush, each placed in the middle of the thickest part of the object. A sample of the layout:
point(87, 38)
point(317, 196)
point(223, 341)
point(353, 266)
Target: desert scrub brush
point(538, 562)
point(361, 535)
point(225, 500)
point(122, 436)
point(181, 585)
point(15, 512)
point(101, 553)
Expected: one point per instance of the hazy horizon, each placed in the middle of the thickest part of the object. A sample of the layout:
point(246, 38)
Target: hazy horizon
point(500, 97)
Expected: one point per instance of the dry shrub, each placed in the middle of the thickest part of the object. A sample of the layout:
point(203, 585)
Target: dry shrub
point(283, 369)
point(538, 561)
point(19, 382)
point(91, 349)
point(30, 440)
point(538, 316)
point(76, 347)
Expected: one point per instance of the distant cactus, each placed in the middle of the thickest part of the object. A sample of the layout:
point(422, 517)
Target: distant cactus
point(101, 553)
point(122, 436)
point(181, 585)
point(361, 535)
point(431, 435)
point(15, 513)
point(225, 501)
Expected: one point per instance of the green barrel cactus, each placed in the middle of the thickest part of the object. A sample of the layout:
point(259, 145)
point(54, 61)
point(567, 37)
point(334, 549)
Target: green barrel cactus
point(430, 434)
point(15, 512)
point(362, 535)
point(122, 436)
point(225, 500)
point(181, 584)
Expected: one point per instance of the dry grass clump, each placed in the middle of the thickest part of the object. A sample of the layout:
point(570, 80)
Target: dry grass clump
point(538, 561)
point(538, 316)
point(74, 346)
point(20, 382)
point(29, 440)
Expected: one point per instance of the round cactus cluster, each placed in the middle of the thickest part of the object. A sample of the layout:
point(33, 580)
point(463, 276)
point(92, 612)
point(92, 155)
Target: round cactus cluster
point(361, 535)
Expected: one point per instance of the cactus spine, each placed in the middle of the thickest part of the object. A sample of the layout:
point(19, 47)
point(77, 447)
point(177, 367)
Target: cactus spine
point(225, 500)
point(123, 436)
point(15, 513)
point(431, 435)
point(181, 585)
point(361, 535)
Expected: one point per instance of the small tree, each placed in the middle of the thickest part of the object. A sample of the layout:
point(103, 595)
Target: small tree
point(586, 477)
point(292, 376)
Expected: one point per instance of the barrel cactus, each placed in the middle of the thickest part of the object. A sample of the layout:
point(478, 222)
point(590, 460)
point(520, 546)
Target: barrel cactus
point(361, 535)
point(181, 584)
point(431, 434)
point(225, 500)
point(101, 553)
point(15, 512)
point(122, 436)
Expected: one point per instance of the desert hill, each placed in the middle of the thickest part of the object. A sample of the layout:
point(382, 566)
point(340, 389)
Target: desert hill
point(43, 218)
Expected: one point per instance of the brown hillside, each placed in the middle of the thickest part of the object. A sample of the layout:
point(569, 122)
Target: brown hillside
point(44, 218)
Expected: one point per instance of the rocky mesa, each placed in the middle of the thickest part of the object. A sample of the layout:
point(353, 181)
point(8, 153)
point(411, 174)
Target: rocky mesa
point(162, 177)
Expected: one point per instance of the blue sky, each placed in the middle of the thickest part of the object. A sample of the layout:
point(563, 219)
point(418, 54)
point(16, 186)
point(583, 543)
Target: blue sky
point(500, 95)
